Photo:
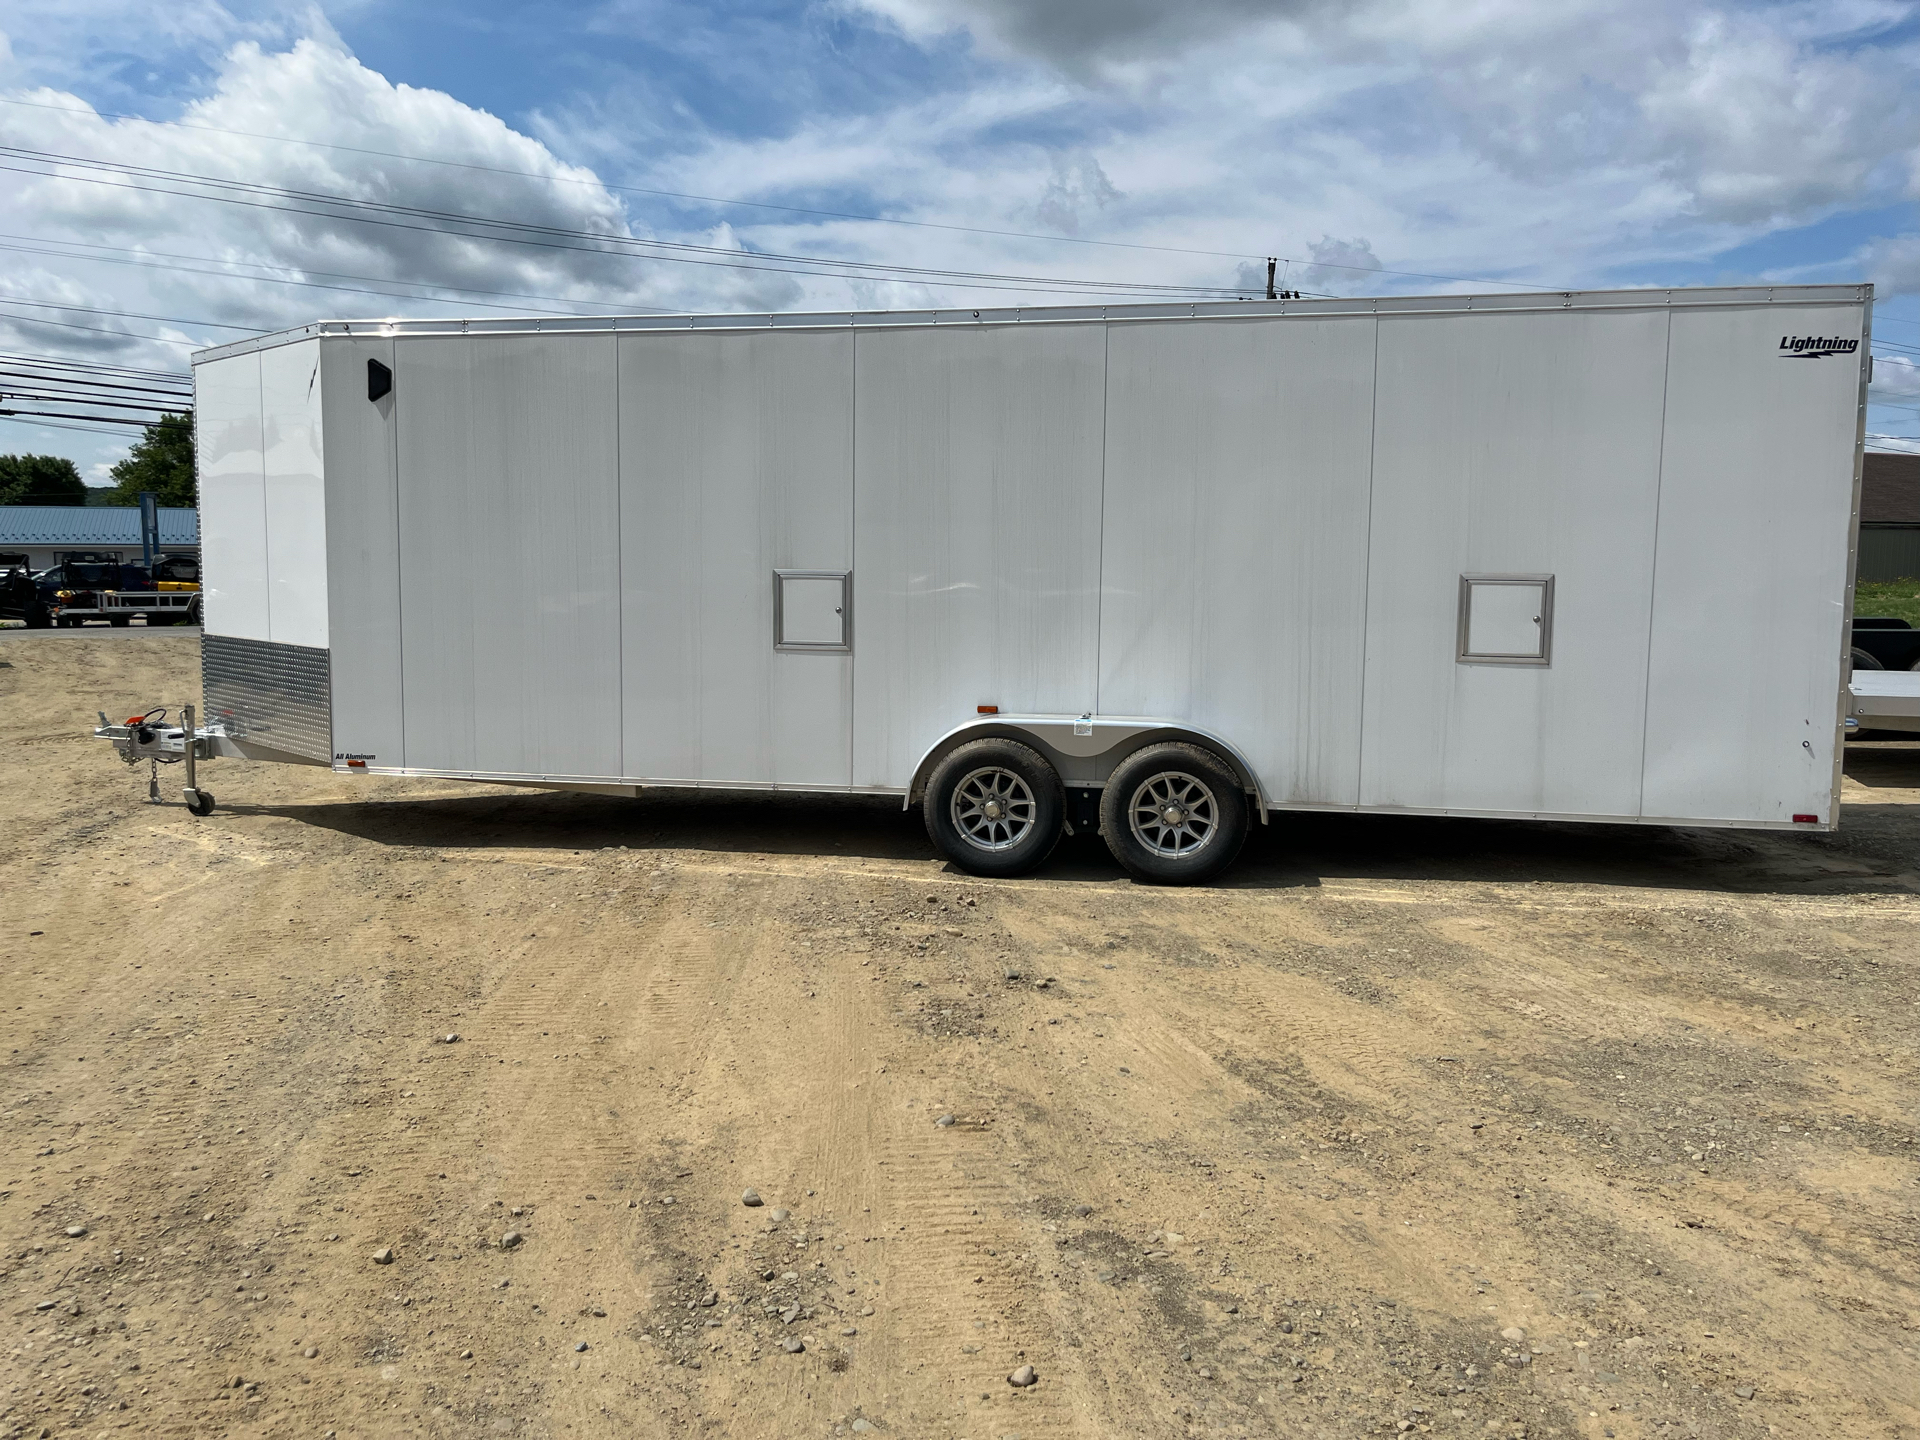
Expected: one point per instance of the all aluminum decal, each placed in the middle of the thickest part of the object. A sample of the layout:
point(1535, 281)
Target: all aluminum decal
point(1815, 347)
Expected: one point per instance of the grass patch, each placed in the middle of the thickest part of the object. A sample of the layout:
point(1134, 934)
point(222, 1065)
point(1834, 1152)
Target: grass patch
point(1899, 598)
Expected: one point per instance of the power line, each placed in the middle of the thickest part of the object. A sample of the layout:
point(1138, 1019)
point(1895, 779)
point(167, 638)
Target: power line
point(599, 184)
point(100, 330)
point(63, 415)
point(144, 407)
point(370, 212)
point(61, 362)
point(459, 290)
point(37, 377)
point(129, 314)
point(68, 362)
point(59, 425)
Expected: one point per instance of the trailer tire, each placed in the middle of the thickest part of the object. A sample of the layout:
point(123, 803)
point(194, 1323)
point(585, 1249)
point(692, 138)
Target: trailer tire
point(994, 807)
point(1864, 660)
point(1174, 814)
point(39, 618)
point(119, 622)
point(201, 804)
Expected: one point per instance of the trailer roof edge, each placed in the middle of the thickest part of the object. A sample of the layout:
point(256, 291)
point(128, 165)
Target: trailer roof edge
point(1061, 314)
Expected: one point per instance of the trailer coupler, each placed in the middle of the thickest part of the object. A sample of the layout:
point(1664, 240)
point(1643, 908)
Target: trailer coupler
point(150, 738)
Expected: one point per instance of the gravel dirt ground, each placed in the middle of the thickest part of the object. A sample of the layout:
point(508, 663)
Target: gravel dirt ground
point(383, 1108)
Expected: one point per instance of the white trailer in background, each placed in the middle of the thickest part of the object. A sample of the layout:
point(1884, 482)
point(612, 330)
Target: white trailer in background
point(1581, 556)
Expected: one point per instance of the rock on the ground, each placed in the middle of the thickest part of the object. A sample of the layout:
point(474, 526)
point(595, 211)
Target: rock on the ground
point(793, 1345)
point(383, 1256)
point(74, 1232)
point(1026, 1375)
point(509, 1240)
point(944, 1121)
point(751, 1197)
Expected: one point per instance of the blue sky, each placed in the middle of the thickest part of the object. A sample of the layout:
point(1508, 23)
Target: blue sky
point(1371, 144)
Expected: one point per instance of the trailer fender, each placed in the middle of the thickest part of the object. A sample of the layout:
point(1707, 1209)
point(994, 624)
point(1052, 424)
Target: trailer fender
point(1085, 749)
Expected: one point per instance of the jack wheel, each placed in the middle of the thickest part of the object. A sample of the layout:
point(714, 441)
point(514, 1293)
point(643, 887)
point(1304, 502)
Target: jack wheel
point(201, 804)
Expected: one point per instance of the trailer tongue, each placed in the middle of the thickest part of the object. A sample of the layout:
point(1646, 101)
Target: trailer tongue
point(148, 737)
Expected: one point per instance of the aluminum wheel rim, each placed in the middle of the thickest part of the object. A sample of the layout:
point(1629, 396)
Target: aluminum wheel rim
point(992, 808)
point(1173, 814)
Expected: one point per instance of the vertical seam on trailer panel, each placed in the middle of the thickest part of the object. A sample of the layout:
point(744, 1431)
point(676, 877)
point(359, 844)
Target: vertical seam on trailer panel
point(619, 581)
point(1366, 571)
point(853, 538)
point(1100, 558)
point(1653, 573)
point(266, 530)
point(399, 568)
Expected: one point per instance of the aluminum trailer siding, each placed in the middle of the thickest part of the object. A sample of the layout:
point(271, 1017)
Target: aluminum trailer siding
point(1583, 556)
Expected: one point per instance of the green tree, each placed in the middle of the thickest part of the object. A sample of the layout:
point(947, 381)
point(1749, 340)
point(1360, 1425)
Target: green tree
point(161, 461)
point(40, 480)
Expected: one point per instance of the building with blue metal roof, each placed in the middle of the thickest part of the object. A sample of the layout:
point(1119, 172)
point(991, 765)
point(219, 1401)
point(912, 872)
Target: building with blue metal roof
point(43, 534)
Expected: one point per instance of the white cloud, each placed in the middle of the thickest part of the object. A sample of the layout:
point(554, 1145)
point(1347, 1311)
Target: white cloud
point(1545, 141)
point(1896, 381)
point(1340, 266)
point(1077, 189)
point(1893, 263)
point(314, 89)
point(1076, 34)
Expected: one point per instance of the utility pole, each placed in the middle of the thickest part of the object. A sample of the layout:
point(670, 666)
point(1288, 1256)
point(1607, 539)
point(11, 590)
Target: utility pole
point(149, 527)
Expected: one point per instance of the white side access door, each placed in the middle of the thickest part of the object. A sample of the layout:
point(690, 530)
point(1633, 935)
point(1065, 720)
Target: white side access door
point(736, 556)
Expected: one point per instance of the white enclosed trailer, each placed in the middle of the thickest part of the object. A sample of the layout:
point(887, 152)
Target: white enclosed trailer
point(1577, 556)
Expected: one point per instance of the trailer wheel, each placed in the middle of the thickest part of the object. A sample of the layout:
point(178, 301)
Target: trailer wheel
point(201, 804)
point(1174, 814)
point(39, 618)
point(994, 807)
point(120, 622)
point(1863, 660)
